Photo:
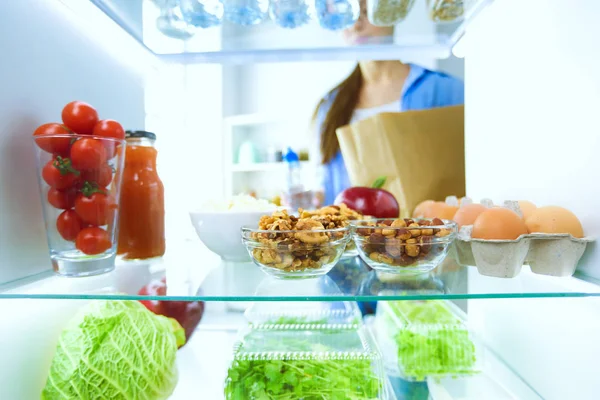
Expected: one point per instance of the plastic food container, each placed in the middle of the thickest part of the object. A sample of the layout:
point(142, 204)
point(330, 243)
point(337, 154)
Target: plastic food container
point(421, 339)
point(388, 12)
point(296, 254)
point(446, 10)
point(403, 246)
point(293, 361)
point(304, 312)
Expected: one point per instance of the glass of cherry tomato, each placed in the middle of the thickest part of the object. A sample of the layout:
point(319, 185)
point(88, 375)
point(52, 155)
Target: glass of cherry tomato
point(79, 164)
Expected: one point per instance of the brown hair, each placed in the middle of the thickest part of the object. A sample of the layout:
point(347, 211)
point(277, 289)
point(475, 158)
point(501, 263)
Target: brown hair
point(339, 113)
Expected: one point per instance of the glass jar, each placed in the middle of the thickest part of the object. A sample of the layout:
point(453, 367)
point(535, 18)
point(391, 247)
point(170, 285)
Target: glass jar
point(337, 14)
point(445, 10)
point(388, 12)
point(142, 201)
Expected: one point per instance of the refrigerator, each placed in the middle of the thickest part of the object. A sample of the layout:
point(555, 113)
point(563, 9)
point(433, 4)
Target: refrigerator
point(532, 92)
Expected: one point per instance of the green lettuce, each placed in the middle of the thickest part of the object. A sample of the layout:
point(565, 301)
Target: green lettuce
point(115, 350)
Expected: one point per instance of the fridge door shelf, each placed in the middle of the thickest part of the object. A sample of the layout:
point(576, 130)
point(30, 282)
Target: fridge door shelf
point(416, 36)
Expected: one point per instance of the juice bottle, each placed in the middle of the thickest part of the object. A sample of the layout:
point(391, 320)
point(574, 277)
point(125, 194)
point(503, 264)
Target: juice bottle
point(142, 202)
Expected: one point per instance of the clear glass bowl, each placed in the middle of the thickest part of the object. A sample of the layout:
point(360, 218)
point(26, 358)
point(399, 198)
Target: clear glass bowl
point(296, 254)
point(403, 246)
point(306, 361)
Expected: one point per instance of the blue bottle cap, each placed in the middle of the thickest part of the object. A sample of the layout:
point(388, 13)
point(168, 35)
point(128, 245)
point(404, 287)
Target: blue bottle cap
point(290, 156)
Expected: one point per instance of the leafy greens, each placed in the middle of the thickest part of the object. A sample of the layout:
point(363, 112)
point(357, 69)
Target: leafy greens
point(115, 350)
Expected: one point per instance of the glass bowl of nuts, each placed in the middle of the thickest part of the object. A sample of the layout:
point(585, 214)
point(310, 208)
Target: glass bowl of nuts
point(288, 247)
point(404, 246)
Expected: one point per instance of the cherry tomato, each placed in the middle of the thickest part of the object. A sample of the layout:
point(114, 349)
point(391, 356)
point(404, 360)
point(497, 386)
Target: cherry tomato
point(80, 117)
point(101, 177)
point(62, 199)
point(110, 129)
point(95, 209)
point(88, 154)
point(58, 146)
point(68, 225)
point(93, 240)
point(60, 174)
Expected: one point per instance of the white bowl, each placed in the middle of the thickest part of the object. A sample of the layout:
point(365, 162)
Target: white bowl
point(220, 231)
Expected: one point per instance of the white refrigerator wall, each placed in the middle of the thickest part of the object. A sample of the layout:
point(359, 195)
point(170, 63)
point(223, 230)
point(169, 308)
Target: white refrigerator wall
point(48, 60)
point(532, 101)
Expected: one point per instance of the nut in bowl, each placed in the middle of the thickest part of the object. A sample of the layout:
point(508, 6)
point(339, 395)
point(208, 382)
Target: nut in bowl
point(288, 247)
point(404, 246)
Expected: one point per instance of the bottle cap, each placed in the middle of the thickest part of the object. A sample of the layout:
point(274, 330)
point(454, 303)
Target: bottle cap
point(140, 134)
point(290, 156)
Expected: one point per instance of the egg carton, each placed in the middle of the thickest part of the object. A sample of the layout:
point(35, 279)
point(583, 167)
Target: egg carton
point(546, 253)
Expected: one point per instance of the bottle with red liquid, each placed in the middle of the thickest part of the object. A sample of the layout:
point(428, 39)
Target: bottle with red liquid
point(142, 200)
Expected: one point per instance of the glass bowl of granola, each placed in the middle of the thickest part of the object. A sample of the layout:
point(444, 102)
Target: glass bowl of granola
point(289, 247)
point(404, 246)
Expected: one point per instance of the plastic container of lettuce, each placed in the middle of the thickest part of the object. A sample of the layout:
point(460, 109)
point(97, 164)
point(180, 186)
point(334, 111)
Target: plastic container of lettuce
point(297, 361)
point(303, 312)
point(426, 339)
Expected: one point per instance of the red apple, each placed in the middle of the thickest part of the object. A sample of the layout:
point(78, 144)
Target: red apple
point(371, 201)
point(187, 313)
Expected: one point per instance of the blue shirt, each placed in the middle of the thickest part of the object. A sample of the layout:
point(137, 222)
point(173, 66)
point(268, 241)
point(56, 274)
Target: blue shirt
point(422, 89)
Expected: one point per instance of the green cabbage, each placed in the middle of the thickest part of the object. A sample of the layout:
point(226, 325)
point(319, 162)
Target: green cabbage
point(115, 350)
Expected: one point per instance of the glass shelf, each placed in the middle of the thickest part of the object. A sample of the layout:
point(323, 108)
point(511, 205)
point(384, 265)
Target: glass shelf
point(415, 37)
point(198, 275)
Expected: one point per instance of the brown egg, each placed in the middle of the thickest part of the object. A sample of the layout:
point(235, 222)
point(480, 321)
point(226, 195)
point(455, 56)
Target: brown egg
point(527, 208)
point(498, 223)
point(421, 209)
point(553, 219)
point(467, 214)
point(440, 209)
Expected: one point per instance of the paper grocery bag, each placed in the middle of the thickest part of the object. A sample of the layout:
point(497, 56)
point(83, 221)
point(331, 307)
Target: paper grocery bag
point(420, 152)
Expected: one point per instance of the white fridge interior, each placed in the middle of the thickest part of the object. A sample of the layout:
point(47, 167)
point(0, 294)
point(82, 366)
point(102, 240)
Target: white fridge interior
point(532, 95)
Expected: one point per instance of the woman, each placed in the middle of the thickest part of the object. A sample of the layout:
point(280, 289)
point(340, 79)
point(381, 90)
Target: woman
point(374, 87)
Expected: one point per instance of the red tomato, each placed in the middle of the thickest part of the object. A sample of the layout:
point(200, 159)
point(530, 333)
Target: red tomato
point(93, 240)
point(110, 129)
point(68, 225)
point(88, 154)
point(80, 117)
point(60, 174)
point(96, 209)
point(58, 146)
point(101, 177)
point(64, 200)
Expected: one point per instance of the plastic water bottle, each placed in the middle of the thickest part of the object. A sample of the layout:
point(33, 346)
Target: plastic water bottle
point(171, 23)
point(245, 12)
point(337, 14)
point(202, 13)
point(296, 195)
point(290, 13)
